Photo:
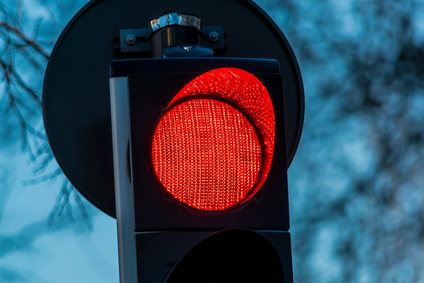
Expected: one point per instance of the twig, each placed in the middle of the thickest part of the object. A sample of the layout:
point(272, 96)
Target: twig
point(26, 39)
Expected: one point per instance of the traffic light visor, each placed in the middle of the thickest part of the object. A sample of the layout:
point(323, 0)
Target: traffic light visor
point(212, 148)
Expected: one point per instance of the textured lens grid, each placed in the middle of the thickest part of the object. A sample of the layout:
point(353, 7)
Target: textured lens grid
point(205, 152)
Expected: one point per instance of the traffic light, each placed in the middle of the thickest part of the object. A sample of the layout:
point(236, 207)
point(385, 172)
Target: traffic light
point(183, 131)
point(199, 148)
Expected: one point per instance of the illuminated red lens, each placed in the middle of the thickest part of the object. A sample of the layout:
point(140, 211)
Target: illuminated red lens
point(205, 152)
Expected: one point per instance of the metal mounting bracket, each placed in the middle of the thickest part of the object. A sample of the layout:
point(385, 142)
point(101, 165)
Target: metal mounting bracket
point(137, 40)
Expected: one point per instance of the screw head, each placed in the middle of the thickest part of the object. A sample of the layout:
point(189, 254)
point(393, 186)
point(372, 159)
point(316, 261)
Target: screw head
point(213, 36)
point(130, 39)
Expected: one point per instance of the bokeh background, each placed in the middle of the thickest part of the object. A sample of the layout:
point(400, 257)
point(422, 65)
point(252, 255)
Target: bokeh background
point(356, 184)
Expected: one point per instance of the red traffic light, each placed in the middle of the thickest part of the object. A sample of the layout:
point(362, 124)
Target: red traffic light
point(117, 157)
point(213, 146)
point(194, 141)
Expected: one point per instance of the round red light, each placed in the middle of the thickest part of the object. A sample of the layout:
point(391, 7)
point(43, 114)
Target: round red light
point(213, 147)
point(206, 154)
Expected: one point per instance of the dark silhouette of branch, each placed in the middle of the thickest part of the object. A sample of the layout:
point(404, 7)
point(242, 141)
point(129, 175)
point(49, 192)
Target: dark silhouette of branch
point(24, 38)
point(22, 54)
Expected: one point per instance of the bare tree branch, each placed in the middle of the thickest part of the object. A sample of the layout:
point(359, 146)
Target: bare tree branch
point(26, 39)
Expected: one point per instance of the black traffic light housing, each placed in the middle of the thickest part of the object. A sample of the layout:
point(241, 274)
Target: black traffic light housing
point(164, 228)
point(232, 255)
point(149, 93)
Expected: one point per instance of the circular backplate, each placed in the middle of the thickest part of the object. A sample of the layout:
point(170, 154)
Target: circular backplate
point(76, 85)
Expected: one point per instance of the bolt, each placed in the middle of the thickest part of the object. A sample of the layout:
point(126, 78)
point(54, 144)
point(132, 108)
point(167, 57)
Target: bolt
point(213, 36)
point(130, 39)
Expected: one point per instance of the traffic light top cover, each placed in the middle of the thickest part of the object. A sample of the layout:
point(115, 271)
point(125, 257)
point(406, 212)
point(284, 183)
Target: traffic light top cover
point(126, 67)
